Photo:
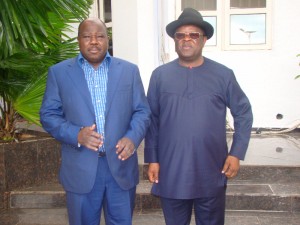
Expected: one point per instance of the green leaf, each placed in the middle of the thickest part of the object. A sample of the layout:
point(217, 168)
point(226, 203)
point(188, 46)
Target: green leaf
point(33, 36)
point(29, 101)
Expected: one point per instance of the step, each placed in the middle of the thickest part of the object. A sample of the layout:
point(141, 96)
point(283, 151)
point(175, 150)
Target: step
point(241, 195)
point(254, 173)
point(53, 196)
point(150, 217)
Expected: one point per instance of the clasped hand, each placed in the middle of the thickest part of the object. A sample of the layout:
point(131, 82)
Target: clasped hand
point(90, 138)
point(93, 140)
point(125, 148)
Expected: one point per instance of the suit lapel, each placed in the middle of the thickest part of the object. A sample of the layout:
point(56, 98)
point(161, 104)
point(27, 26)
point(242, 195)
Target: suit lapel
point(76, 75)
point(112, 83)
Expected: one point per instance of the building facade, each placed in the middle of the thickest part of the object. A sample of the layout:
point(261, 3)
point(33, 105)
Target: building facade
point(258, 39)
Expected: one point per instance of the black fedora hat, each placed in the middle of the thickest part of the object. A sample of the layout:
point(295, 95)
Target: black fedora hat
point(190, 16)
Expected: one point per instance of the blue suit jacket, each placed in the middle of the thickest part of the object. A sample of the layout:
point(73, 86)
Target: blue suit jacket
point(67, 106)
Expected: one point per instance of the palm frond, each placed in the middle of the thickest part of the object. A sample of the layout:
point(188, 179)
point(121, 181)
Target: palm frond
point(33, 36)
point(28, 21)
point(29, 101)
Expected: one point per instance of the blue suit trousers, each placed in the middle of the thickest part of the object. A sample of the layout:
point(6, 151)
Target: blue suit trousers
point(208, 211)
point(118, 204)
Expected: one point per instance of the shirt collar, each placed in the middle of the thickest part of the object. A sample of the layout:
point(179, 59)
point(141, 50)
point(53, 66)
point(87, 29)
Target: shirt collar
point(81, 59)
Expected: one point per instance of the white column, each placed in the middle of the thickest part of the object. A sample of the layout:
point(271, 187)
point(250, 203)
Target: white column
point(125, 34)
point(135, 34)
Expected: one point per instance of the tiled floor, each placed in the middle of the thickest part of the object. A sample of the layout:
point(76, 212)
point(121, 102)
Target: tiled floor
point(266, 149)
point(283, 150)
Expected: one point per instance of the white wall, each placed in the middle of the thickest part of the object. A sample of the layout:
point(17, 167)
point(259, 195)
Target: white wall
point(148, 38)
point(135, 34)
point(125, 29)
point(266, 76)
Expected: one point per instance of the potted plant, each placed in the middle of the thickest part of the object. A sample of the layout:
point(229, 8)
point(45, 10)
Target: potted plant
point(33, 36)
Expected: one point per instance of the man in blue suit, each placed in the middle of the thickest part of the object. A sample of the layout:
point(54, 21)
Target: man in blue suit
point(185, 146)
point(96, 107)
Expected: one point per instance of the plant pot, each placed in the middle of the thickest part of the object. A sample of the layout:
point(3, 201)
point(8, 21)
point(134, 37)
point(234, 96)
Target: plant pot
point(28, 163)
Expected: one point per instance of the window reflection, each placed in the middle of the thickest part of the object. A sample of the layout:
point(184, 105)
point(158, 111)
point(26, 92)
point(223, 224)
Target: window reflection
point(248, 29)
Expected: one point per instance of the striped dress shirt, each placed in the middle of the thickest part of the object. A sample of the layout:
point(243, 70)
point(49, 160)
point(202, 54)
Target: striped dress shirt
point(97, 84)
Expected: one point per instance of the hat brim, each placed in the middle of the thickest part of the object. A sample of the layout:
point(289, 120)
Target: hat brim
point(205, 26)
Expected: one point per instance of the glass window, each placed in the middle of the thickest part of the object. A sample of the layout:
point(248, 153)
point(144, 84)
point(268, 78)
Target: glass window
point(200, 5)
point(238, 24)
point(213, 21)
point(105, 14)
point(104, 10)
point(208, 9)
point(107, 11)
point(248, 29)
point(242, 4)
point(247, 24)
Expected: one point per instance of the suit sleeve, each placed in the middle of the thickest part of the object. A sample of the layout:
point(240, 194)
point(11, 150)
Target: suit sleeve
point(140, 119)
point(241, 112)
point(151, 140)
point(52, 116)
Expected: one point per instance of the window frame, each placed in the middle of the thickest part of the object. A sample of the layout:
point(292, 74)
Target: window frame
point(101, 12)
point(248, 11)
point(222, 30)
